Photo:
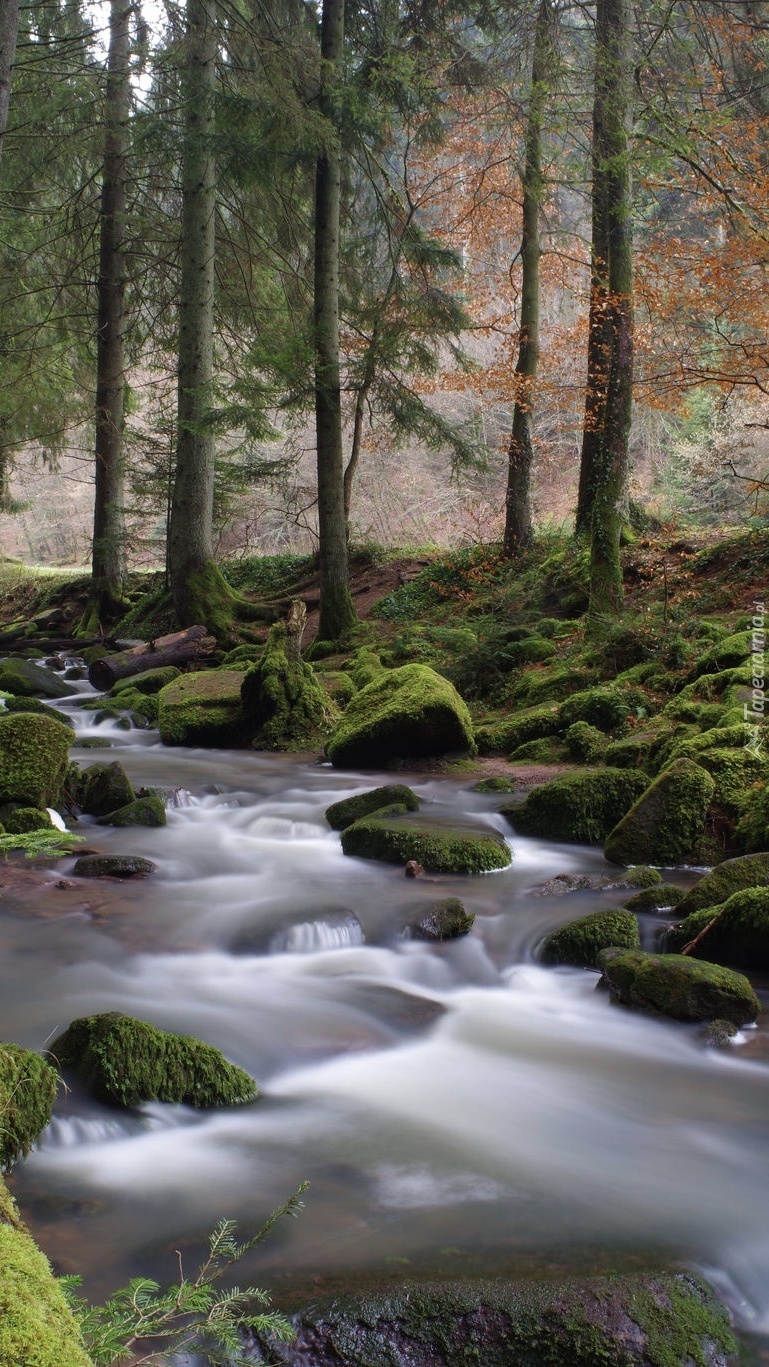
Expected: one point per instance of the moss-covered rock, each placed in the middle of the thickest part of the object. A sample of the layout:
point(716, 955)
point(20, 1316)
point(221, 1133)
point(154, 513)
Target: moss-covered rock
point(678, 986)
point(725, 654)
point(283, 703)
point(28, 680)
point(655, 898)
point(443, 920)
point(364, 667)
point(666, 824)
point(201, 708)
point(738, 933)
point(734, 772)
point(732, 875)
point(643, 1319)
point(703, 701)
point(579, 809)
point(439, 849)
point(585, 743)
point(532, 723)
point(603, 707)
point(580, 942)
point(27, 1093)
point(103, 788)
point(143, 708)
point(123, 1062)
point(752, 830)
point(341, 814)
point(409, 713)
point(18, 820)
point(41, 708)
point(338, 685)
point(642, 876)
point(37, 1326)
point(34, 754)
point(547, 750)
point(496, 784)
point(148, 809)
point(113, 866)
point(550, 684)
point(149, 682)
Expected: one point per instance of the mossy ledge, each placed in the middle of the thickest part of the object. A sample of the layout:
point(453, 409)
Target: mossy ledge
point(124, 1061)
point(652, 1319)
point(439, 849)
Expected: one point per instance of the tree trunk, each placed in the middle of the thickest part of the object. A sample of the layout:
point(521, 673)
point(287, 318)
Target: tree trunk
point(337, 613)
point(518, 527)
point(9, 29)
point(197, 588)
point(109, 552)
point(613, 207)
point(176, 649)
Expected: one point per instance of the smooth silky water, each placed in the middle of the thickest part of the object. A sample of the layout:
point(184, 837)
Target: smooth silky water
point(451, 1105)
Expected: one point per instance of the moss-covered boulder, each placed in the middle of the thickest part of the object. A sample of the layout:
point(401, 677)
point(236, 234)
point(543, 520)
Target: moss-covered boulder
point(550, 684)
point(341, 814)
point(496, 784)
point(18, 820)
point(34, 754)
point(113, 866)
point(580, 808)
point(28, 680)
point(531, 723)
point(201, 708)
point(666, 824)
point(734, 773)
point(143, 709)
point(605, 708)
point(123, 1062)
point(736, 933)
point(643, 1319)
point(678, 986)
point(443, 920)
point(580, 942)
point(746, 871)
point(409, 713)
point(751, 832)
point(27, 1093)
point(103, 788)
point(149, 682)
point(37, 1326)
point(283, 703)
point(439, 849)
point(725, 654)
point(41, 708)
point(585, 743)
point(148, 809)
point(655, 898)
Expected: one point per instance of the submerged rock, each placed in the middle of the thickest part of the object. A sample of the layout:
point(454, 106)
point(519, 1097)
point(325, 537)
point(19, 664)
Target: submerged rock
point(113, 866)
point(406, 713)
point(444, 920)
point(580, 942)
point(675, 985)
point(439, 849)
point(638, 1320)
point(123, 1061)
point(341, 814)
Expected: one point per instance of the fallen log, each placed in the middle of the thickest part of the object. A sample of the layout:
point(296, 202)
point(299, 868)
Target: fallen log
point(179, 648)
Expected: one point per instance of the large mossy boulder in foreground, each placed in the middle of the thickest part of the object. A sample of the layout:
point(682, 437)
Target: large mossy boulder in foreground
point(405, 713)
point(284, 705)
point(37, 1326)
point(123, 1062)
point(341, 814)
point(675, 985)
point(580, 942)
point(439, 849)
point(642, 1319)
point(27, 1093)
point(28, 680)
point(736, 933)
point(747, 871)
point(666, 825)
point(34, 753)
point(201, 708)
point(579, 809)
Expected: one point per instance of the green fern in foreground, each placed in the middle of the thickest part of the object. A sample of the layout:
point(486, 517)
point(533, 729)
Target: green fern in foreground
point(42, 842)
point(192, 1315)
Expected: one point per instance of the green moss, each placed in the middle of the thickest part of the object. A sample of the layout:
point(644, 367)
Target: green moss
point(363, 667)
point(341, 814)
point(103, 788)
point(752, 830)
point(147, 810)
point(338, 685)
point(734, 773)
point(551, 684)
point(723, 689)
point(444, 920)
point(684, 1325)
point(139, 705)
point(37, 1327)
point(716, 737)
point(532, 723)
point(439, 849)
point(738, 937)
point(580, 808)
point(201, 708)
point(654, 898)
point(407, 712)
point(27, 680)
point(284, 706)
point(34, 753)
point(678, 986)
point(544, 751)
point(498, 784)
point(580, 942)
point(27, 1093)
point(585, 743)
point(124, 1062)
point(39, 844)
point(642, 876)
point(730, 876)
point(40, 708)
point(666, 824)
point(605, 708)
point(725, 654)
point(149, 682)
point(22, 820)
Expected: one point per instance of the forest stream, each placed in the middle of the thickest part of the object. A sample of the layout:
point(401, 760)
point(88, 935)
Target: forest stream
point(450, 1104)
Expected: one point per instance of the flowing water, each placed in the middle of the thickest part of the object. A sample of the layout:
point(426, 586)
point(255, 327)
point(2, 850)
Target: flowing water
point(451, 1103)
